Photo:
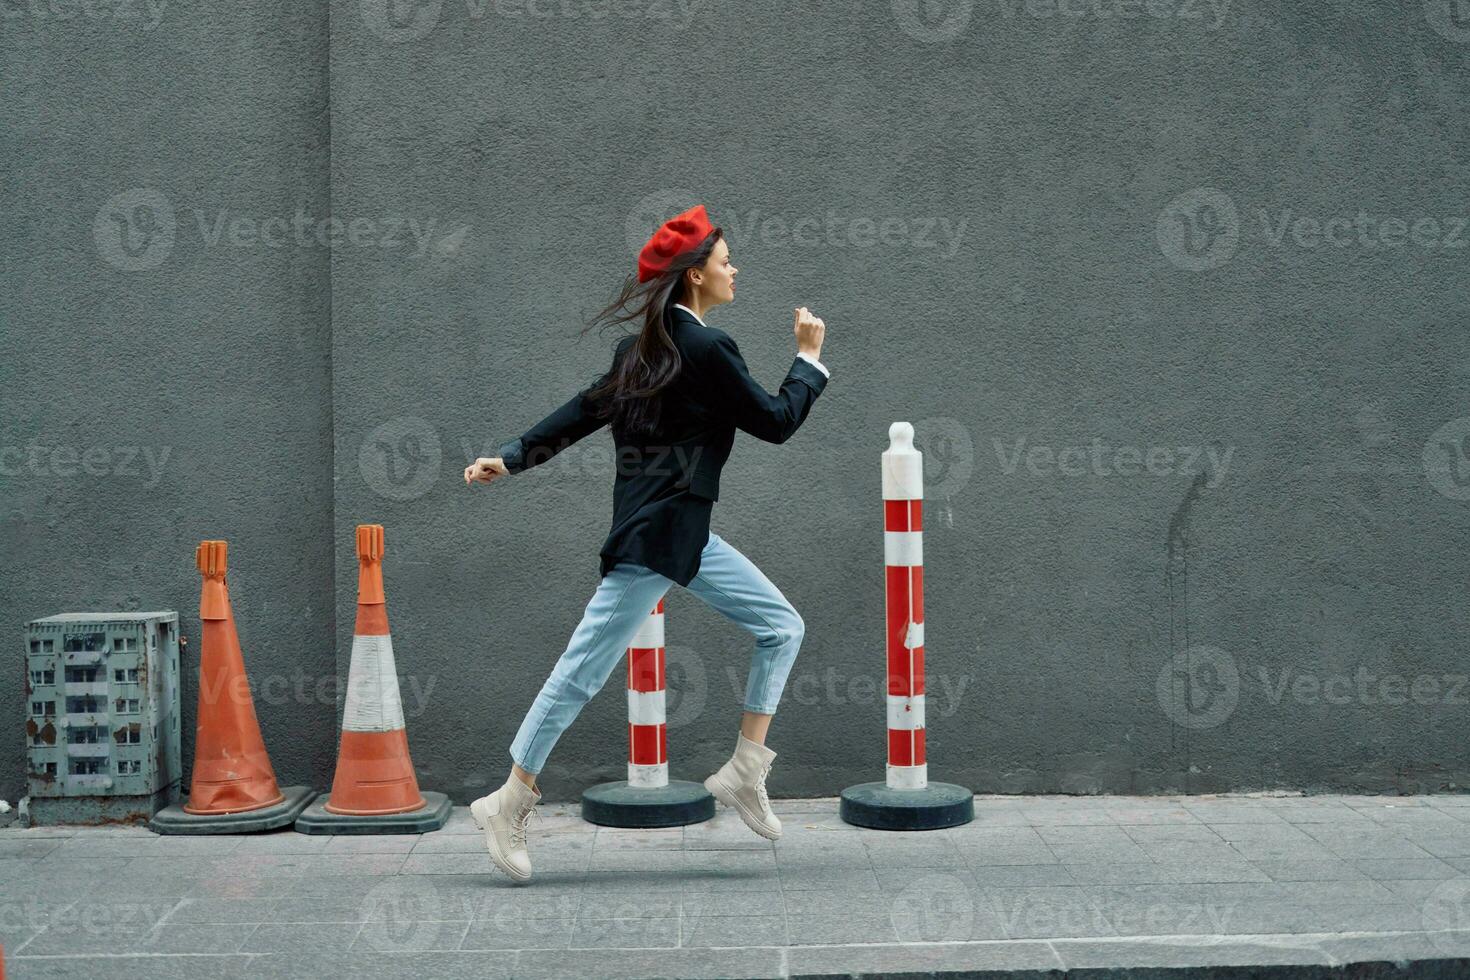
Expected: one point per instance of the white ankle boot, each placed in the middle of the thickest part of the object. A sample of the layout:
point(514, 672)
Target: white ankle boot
point(741, 783)
point(503, 816)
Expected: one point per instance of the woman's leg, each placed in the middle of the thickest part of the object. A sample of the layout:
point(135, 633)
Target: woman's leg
point(731, 584)
point(626, 595)
point(753, 725)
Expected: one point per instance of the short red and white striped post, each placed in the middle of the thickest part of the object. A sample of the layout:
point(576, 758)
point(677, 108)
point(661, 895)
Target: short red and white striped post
point(906, 800)
point(648, 798)
point(648, 729)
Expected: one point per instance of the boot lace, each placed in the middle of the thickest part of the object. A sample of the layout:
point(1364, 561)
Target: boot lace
point(760, 787)
point(519, 826)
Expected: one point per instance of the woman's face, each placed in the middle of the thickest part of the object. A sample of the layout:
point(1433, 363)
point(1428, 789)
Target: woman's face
point(717, 277)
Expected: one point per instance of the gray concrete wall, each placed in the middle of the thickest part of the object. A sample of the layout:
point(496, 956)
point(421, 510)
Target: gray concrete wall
point(1173, 293)
point(167, 368)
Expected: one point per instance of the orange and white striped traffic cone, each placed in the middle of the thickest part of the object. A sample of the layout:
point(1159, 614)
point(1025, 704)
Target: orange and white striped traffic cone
point(905, 800)
point(648, 798)
point(375, 790)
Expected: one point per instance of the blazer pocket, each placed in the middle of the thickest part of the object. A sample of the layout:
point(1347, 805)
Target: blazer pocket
point(705, 485)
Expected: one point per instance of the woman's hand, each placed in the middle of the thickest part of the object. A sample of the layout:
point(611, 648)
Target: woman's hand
point(486, 469)
point(810, 332)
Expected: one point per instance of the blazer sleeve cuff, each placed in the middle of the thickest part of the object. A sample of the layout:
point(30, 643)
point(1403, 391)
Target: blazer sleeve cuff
point(812, 360)
point(805, 371)
point(513, 455)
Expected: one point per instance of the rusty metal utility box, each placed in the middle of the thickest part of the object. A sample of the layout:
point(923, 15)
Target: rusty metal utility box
point(102, 716)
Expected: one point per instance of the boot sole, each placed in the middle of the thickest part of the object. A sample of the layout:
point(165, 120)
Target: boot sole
point(718, 790)
point(497, 857)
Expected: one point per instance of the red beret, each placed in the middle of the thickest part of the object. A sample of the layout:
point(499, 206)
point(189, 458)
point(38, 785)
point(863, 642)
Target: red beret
point(679, 234)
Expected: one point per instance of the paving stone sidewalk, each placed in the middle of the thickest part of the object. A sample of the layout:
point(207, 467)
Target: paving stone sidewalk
point(1034, 883)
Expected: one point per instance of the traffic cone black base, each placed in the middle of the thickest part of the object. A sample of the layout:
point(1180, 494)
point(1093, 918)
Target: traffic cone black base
point(433, 815)
point(173, 819)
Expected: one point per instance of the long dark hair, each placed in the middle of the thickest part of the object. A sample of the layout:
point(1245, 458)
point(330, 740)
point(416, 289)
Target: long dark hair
point(628, 394)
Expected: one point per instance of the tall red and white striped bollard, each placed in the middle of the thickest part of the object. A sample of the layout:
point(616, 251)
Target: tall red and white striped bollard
point(905, 800)
point(648, 797)
point(903, 617)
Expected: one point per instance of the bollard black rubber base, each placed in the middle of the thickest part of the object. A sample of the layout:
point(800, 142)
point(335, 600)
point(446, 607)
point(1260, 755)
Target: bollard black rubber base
point(619, 805)
point(935, 807)
point(173, 819)
point(433, 815)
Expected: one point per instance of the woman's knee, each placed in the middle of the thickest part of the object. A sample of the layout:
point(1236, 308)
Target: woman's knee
point(574, 689)
point(791, 629)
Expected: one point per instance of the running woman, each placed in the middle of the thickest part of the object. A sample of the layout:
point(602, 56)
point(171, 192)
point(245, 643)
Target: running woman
point(674, 396)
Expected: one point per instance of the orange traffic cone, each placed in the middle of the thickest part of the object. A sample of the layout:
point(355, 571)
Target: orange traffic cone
point(232, 771)
point(375, 789)
point(234, 787)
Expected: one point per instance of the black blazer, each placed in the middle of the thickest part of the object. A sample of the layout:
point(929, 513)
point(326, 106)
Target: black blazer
point(666, 484)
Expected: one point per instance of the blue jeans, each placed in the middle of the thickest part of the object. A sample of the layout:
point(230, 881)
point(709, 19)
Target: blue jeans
point(727, 581)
